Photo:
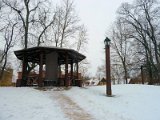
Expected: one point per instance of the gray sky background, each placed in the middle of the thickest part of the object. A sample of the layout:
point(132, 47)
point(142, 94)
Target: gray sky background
point(98, 16)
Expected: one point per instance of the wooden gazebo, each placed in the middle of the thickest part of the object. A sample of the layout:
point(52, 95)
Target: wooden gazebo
point(52, 58)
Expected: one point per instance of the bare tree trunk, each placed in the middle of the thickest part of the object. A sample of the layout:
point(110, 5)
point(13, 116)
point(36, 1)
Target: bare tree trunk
point(26, 23)
point(3, 68)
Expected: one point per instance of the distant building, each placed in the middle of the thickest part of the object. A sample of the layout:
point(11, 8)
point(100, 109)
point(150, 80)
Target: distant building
point(102, 82)
point(91, 82)
point(7, 78)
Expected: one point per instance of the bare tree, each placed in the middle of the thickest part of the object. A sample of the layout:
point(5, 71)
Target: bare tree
point(141, 17)
point(69, 21)
point(57, 29)
point(80, 44)
point(9, 43)
point(122, 46)
point(42, 24)
point(66, 23)
point(82, 38)
point(26, 13)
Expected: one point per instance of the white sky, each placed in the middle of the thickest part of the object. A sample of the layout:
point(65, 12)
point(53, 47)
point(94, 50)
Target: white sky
point(98, 16)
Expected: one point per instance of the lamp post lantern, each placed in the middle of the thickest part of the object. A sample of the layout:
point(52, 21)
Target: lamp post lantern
point(108, 71)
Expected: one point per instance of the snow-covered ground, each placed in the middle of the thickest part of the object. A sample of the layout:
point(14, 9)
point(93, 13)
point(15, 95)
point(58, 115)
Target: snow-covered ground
point(27, 104)
point(130, 102)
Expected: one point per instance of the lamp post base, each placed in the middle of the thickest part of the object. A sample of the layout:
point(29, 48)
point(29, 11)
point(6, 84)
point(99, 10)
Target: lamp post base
point(110, 95)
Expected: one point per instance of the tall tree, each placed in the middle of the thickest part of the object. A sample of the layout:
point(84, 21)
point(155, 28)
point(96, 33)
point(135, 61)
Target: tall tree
point(9, 39)
point(141, 17)
point(26, 12)
point(122, 46)
point(66, 23)
point(81, 38)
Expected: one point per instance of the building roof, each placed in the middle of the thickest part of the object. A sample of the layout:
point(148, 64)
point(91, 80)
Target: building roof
point(33, 54)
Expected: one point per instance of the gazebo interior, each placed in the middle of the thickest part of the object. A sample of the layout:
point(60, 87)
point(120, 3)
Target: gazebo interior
point(53, 58)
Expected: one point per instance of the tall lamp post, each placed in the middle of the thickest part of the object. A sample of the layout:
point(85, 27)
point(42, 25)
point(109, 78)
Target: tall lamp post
point(108, 71)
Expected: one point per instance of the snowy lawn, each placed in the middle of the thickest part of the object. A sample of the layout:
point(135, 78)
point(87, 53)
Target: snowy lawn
point(131, 102)
point(27, 104)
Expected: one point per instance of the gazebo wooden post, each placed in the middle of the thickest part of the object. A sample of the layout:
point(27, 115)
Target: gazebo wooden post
point(66, 71)
point(24, 71)
point(77, 75)
point(59, 75)
point(77, 66)
point(40, 79)
point(72, 71)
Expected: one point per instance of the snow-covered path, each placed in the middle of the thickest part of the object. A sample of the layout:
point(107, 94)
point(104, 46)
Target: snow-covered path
point(69, 107)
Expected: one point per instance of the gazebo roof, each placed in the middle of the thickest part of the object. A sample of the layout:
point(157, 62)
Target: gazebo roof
point(33, 54)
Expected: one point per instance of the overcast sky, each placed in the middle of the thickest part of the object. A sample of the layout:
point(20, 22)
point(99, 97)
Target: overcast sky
point(98, 16)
